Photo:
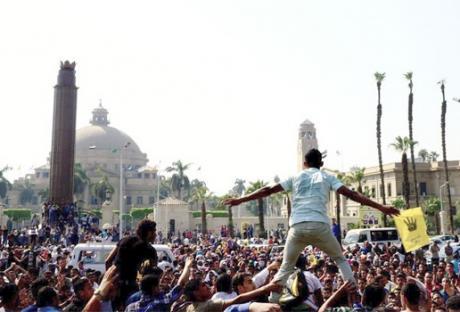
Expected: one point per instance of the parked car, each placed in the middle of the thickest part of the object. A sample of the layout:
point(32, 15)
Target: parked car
point(93, 255)
point(373, 236)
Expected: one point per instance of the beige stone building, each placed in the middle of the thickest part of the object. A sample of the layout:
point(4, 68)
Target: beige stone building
point(430, 176)
point(98, 149)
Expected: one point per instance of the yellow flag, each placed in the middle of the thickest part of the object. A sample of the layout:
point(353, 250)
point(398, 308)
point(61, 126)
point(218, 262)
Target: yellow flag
point(412, 229)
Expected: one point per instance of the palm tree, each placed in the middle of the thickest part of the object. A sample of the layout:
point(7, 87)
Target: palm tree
point(44, 194)
point(80, 179)
point(5, 184)
point(253, 186)
point(231, 225)
point(444, 152)
point(356, 176)
point(432, 207)
point(101, 188)
point(26, 192)
point(433, 156)
point(379, 78)
point(201, 194)
point(402, 145)
point(179, 181)
point(239, 187)
point(411, 137)
point(423, 154)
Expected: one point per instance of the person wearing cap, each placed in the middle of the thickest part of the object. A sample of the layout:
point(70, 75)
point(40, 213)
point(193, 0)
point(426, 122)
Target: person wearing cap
point(309, 222)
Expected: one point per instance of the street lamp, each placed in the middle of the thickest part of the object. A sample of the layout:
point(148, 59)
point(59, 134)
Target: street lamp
point(121, 149)
point(441, 196)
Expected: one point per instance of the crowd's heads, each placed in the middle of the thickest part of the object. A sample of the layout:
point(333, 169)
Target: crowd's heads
point(224, 283)
point(453, 304)
point(146, 230)
point(149, 284)
point(242, 283)
point(83, 289)
point(9, 295)
point(410, 294)
point(196, 290)
point(373, 296)
point(47, 296)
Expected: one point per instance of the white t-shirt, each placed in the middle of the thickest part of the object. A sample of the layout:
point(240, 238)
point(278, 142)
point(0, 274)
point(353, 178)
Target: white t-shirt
point(222, 295)
point(310, 195)
point(313, 285)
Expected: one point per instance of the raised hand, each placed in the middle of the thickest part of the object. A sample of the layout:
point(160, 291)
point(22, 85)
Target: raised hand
point(389, 210)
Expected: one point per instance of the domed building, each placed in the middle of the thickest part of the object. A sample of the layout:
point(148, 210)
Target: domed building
point(100, 149)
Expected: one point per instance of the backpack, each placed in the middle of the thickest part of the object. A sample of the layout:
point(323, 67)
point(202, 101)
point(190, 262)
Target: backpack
point(295, 292)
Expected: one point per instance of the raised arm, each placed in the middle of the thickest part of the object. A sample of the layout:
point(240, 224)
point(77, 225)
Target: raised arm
point(363, 200)
point(186, 272)
point(260, 193)
point(252, 295)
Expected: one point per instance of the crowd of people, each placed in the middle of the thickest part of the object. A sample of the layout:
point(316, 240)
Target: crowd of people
point(219, 273)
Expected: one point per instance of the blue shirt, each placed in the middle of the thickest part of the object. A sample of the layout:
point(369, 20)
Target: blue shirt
point(310, 195)
point(160, 302)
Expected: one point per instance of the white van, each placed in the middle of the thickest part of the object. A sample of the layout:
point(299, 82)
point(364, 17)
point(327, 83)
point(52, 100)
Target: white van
point(93, 255)
point(374, 236)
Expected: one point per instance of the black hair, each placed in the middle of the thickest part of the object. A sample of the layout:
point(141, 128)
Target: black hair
point(36, 285)
point(453, 302)
point(373, 295)
point(8, 293)
point(412, 293)
point(301, 262)
point(238, 280)
point(46, 296)
point(190, 288)
point(79, 284)
point(386, 274)
point(148, 283)
point(144, 227)
point(314, 158)
point(224, 283)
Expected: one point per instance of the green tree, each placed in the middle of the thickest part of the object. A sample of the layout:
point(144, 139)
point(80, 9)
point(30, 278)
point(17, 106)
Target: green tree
point(140, 213)
point(424, 155)
point(408, 76)
point(379, 78)
point(239, 188)
point(200, 195)
point(356, 176)
point(432, 207)
point(44, 194)
point(402, 145)
point(101, 188)
point(179, 181)
point(433, 156)
point(5, 184)
point(18, 215)
point(444, 152)
point(253, 186)
point(80, 179)
point(26, 192)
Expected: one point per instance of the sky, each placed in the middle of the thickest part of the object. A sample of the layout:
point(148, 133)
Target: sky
point(224, 85)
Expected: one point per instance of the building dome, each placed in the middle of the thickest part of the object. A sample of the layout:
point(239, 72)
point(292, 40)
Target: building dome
point(100, 144)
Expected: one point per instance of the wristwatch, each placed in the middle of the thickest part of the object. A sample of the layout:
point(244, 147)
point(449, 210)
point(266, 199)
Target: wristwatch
point(98, 295)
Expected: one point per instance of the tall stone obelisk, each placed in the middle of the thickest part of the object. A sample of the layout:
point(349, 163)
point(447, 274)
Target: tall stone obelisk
point(63, 136)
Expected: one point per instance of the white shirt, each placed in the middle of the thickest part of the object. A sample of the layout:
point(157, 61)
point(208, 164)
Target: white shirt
point(313, 285)
point(222, 295)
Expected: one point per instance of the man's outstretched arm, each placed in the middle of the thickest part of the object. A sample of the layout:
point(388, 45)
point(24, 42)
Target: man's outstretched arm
point(363, 200)
point(260, 193)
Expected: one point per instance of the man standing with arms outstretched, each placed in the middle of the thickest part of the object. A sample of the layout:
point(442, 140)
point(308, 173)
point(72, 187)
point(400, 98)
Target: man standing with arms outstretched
point(309, 223)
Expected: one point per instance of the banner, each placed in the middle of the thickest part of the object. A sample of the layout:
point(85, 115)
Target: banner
point(412, 229)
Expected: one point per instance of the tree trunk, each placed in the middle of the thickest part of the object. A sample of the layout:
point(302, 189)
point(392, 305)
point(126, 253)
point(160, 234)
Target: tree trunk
point(412, 156)
point(204, 226)
point(444, 156)
point(379, 149)
point(406, 186)
point(337, 214)
point(261, 218)
point(231, 229)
